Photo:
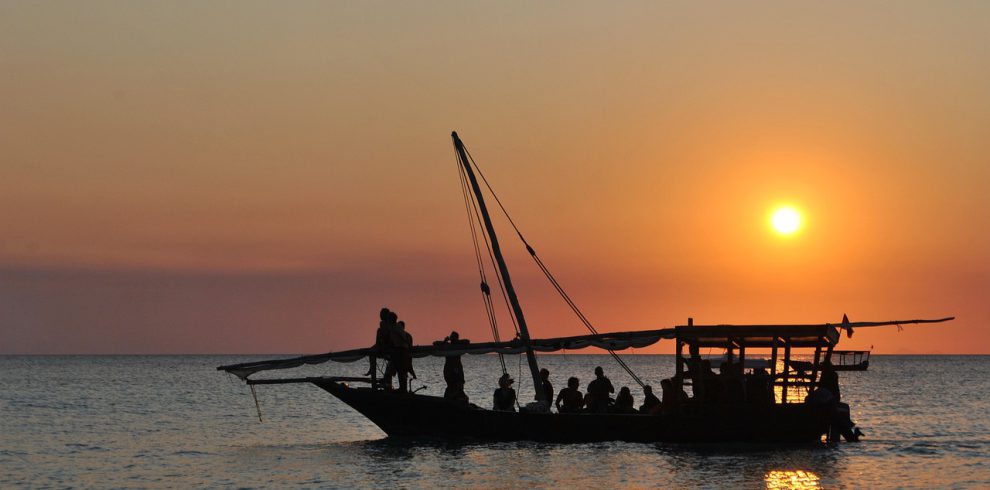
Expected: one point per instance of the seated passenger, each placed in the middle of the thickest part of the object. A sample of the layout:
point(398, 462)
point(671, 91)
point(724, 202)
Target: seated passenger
point(624, 402)
point(673, 397)
point(600, 389)
point(570, 399)
point(830, 380)
point(589, 402)
point(650, 401)
point(547, 386)
point(758, 389)
point(711, 383)
point(841, 422)
point(730, 375)
point(505, 396)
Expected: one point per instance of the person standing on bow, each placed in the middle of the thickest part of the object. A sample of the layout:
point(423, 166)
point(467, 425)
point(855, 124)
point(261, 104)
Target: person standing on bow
point(390, 341)
point(402, 342)
point(383, 345)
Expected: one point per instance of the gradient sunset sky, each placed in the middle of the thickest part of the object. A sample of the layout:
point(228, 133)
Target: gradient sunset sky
point(262, 177)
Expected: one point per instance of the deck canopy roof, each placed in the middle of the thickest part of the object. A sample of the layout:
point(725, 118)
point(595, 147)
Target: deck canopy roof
point(611, 340)
point(724, 336)
point(735, 336)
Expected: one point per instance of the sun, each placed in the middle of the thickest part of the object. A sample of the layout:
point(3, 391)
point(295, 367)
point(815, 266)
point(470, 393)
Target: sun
point(786, 220)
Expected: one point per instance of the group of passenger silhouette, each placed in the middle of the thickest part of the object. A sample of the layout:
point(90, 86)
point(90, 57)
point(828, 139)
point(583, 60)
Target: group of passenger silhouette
point(729, 385)
point(392, 343)
point(597, 399)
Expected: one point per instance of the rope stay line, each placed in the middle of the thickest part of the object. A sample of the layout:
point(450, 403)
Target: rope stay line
point(485, 290)
point(546, 272)
point(491, 259)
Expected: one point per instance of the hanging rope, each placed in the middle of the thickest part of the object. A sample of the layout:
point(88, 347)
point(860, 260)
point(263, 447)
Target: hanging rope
point(498, 277)
point(491, 255)
point(485, 290)
point(546, 272)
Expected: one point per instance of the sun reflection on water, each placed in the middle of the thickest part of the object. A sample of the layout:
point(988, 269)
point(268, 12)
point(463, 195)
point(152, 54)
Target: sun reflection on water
point(796, 479)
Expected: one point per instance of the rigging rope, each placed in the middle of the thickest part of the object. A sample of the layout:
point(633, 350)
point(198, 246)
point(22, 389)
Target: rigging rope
point(553, 280)
point(485, 290)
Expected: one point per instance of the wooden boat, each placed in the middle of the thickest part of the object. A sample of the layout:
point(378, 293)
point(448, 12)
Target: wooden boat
point(851, 360)
point(779, 414)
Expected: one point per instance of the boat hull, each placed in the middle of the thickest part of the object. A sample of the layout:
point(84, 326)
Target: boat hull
point(413, 415)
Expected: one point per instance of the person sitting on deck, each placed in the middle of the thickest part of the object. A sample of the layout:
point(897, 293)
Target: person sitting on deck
point(673, 397)
point(730, 375)
point(711, 384)
point(600, 390)
point(828, 394)
point(453, 370)
point(624, 401)
point(505, 396)
point(840, 422)
point(830, 380)
point(650, 401)
point(589, 402)
point(758, 389)
point(570, 399)
point(547, 387)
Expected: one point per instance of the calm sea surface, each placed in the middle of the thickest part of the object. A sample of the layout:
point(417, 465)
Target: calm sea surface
point(173, 421)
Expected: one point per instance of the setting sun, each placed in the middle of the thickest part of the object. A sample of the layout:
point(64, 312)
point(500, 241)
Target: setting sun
point(786, 220)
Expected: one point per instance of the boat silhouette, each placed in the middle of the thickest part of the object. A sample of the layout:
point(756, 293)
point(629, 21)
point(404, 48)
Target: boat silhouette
point(774, 412)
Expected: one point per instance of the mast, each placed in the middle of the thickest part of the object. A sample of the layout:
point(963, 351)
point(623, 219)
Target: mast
point(503, 271)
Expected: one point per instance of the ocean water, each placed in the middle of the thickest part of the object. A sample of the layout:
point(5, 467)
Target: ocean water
point(174, 421)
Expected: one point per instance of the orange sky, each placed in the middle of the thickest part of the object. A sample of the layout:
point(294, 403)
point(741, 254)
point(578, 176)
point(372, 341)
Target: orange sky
point(191, 178)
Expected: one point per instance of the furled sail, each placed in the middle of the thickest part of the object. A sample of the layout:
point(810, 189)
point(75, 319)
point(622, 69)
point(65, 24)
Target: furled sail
point(613, 341)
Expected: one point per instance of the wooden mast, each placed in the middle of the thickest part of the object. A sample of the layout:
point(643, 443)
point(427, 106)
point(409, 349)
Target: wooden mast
point(503, 270)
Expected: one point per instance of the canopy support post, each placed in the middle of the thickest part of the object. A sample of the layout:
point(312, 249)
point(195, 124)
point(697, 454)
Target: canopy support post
point(742, 356)
point(814, 369)
point(787, 370)
point(773, 367)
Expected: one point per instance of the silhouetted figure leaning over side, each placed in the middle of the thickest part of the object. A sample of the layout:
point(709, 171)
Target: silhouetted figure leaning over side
point(600, 390)
point(651, 404)
point(570, 399)
point(624, 401)
point(505, 397)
